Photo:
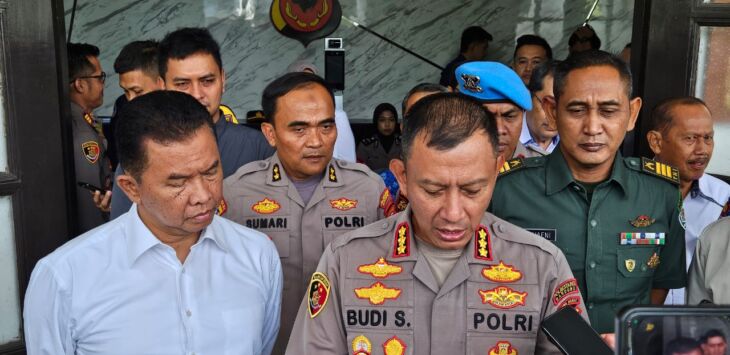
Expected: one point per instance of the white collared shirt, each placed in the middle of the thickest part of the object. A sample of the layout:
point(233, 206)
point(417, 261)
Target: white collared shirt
point(702, 206)
point(118, 290)
point(527, 140)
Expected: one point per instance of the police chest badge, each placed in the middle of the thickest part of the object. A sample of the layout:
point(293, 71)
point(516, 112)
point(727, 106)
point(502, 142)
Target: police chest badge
point(222, 207)
point(91, 151)
point(377, 293)
point(319, 292)
point(502, 348)
point(266, 206)
point(380, 269)
point(394, 346)
point(343, 204)
point(503, 297)
point(501, 273)
point(361, 345)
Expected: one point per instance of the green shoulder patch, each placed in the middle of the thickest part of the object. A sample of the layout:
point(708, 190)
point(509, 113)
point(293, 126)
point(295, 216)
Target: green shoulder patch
point(664, 171)
point(511, 165)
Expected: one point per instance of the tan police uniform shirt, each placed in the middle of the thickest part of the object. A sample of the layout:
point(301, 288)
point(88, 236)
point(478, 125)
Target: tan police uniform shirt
point(374, 293)
point(260, 196)
point(708, 277)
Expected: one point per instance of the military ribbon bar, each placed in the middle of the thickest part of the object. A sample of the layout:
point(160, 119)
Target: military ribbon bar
point(643, 238)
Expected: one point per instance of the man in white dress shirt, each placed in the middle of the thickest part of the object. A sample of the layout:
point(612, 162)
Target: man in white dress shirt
point(682, 136)
point(169, 276)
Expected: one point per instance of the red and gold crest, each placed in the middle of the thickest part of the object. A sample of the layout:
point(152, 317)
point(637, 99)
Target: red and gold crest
point(91, 151)
point(266, 206)
point(503, 297)
point(502, 348)
point(402, 241)
point(319, 292)
point(377, 293)
point(343, 204)
point(566, 288)
point(380, 269)
point(305, 20)
point(501, 273)
point(394, 346)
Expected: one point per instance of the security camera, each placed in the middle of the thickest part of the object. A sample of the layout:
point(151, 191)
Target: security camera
point(332, 43)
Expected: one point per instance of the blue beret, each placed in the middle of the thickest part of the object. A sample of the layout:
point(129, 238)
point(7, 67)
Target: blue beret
point(493, 82)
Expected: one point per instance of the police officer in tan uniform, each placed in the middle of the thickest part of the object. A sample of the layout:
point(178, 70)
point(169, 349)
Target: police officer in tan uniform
point(442, 277)
point(301, 197)
point(91, 164)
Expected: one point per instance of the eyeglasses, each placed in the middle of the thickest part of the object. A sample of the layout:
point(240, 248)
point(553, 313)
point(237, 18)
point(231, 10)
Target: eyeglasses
point(101, 77)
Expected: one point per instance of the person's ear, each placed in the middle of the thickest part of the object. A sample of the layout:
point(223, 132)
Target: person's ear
point(269, 133)
point(223, 81)
point(398, 168)
point(160, 83)
point(78, 86)
point(655, 141)
point(130, 186)
point(634, 108)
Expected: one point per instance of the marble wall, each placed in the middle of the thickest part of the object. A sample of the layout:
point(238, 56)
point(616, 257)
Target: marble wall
point(254, 53)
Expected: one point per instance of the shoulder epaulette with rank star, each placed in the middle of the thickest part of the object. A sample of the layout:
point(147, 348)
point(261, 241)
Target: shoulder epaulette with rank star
point(511, 165)
point(661, 170)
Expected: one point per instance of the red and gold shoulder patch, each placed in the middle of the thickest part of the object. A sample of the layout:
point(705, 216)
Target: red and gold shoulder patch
point(380, 269)
point(568, 287)
point(571, 301)
point(276, 173)
point(332, 175)
point(343, 204)
point(502, 273)
point(266, 206)
point(482, 244)
point(222, 207)
point(377, 293)
point(361, 345)
point(502, 348)
point(319, 292)
point(91, 151)
point(503, 297)
point(394, 346)
point(386, 203)
point(402, 241)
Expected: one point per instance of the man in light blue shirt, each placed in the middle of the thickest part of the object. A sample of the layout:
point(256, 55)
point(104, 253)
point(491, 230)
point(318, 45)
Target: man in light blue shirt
point(682, 135)
point(537, 133)
point(169, 276)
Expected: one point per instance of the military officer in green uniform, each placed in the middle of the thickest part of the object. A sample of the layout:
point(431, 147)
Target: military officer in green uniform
point(617, 219)
point(442, 277)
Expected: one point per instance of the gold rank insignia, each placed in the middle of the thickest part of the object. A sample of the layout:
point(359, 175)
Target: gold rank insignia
point(642, 221)
point(394, 346)
point(222, 207)
point(332, 175)
point(384, 197)
point(266, 206)
point(511, 165)
point(361, 345)
point(377, 293)
point(275, 173)
point(653, 261)
point(381, 269)
point(319, 292)
point(502, 348)
point(630, 264)
point(343, 204)
point(501, 273)
point(503, 297)
point(566, 288)
point(482, 244)
point(660, 169)
point(91, 151)
point(402, 241)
